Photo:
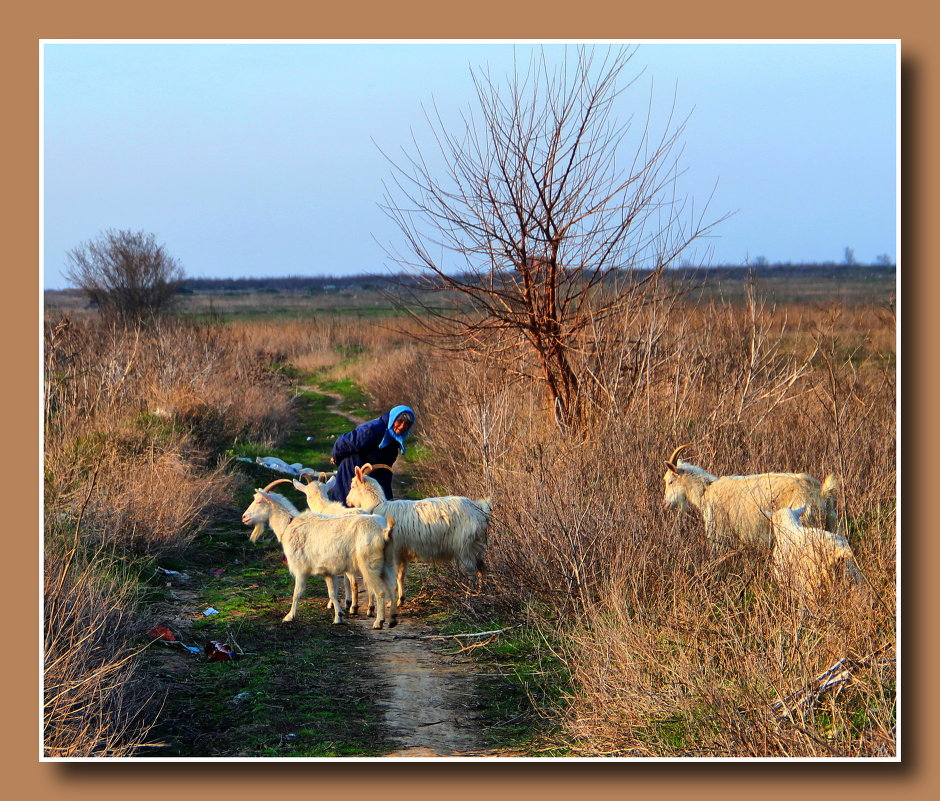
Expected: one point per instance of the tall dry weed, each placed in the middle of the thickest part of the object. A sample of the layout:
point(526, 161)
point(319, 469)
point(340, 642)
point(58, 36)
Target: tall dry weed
point(676, 649)
point(134, 424)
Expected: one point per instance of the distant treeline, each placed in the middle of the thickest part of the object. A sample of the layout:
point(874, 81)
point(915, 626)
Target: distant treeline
point(366, 282)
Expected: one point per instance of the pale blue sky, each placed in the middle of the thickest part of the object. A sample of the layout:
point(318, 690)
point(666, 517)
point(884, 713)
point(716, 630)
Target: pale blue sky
point(261, 158)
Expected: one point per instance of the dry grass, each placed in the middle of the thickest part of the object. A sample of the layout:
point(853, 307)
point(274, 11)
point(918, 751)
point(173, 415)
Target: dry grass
point(134, 422)
point(676, 649)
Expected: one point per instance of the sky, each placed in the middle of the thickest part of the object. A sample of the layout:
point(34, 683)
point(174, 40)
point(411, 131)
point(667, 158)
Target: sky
point(256, 159)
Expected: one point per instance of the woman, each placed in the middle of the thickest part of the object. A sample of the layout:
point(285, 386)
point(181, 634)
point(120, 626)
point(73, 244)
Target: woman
point(376, 442)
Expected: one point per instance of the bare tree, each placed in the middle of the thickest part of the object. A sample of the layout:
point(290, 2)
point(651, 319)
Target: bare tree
point(544, 219)
point(126, 274)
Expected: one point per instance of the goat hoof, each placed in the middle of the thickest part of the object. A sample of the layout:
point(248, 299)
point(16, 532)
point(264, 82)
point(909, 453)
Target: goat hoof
point(377, 624)
point(393, 622)
point(287, 619)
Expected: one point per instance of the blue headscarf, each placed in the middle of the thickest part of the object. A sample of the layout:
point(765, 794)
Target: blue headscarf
point(391, 436)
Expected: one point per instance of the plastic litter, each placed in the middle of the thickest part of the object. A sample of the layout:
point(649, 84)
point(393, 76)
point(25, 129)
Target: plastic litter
point(210, 611)
point(161, 632)
point(219, 651)
point(240, 698)
point(165, 635)
point(273, 463)
point(175, 574)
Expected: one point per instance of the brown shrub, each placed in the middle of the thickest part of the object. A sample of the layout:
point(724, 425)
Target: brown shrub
point(134, 422)
point(675, 649)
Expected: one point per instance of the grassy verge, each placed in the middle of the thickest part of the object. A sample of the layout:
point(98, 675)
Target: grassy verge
point(299, 690)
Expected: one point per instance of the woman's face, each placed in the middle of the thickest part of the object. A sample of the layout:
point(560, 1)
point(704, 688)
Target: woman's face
point(400, 426)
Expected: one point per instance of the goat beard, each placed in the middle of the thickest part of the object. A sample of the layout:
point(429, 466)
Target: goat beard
point(256, 532)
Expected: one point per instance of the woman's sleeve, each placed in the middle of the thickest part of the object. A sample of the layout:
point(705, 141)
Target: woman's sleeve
point(357, 440)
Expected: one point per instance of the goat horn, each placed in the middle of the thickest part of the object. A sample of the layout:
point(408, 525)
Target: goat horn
point(276, 482)
point(676, 452)
point(375, 467)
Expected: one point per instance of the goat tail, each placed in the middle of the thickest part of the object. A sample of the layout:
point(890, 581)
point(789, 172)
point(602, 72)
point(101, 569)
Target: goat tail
point(830, 486)
point(388, 559)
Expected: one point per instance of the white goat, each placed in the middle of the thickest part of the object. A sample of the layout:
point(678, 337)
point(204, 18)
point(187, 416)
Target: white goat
point(318, 501)
point(318, 498)
point(318, 545)
point(807, 559)
point(450, 528)
point(734, 504)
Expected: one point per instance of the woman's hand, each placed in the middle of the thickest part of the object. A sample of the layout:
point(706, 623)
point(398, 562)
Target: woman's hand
point(331, 460)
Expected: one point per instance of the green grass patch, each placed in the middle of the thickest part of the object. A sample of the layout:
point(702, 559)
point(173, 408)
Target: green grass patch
point(355, 400)
point(519, 681)
point(298, 689)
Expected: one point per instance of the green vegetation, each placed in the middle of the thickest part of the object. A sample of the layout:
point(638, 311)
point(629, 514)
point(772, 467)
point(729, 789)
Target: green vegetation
point(294, 690)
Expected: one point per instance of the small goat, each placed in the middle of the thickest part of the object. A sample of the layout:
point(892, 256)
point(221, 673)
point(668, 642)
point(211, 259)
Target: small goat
point(734, 504)
point(317, 545)
point(450, 528)
point(809, 560)
point(318, 501)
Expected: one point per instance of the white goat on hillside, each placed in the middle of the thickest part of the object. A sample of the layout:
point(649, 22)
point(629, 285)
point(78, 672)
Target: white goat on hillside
point(445, 529)
point(734, 504)
point(808, 559)
point(318, 545)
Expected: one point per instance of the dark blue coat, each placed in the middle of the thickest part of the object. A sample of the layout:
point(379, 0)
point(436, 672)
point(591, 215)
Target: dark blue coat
point(361, 446)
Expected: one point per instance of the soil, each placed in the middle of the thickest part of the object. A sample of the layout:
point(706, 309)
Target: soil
point(306, 688)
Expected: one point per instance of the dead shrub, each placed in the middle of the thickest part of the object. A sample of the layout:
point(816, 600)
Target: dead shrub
point(676, 648)
point(93, 706)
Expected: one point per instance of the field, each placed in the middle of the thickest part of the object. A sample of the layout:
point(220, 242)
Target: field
point(621, 631)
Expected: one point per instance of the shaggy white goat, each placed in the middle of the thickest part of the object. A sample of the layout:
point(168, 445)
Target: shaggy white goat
point(318, 501)
point(734, 504)
point(807, 559)
point(450, 528)
point(318, 545)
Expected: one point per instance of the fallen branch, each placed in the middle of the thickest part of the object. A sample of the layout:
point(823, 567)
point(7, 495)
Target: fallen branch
point(448, 636)
point(834, 678)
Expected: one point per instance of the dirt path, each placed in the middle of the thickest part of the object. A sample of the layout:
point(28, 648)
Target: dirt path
point(430, 696)
point(333, 408)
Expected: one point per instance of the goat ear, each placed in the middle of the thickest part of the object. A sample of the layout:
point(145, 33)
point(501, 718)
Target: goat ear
point(299, 485)
point(672, 468)
point(359, 473)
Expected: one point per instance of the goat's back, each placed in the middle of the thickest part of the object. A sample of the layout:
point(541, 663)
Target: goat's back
point(438, 529)
point(809, 559)
point(739, 504)
point(322, 545)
